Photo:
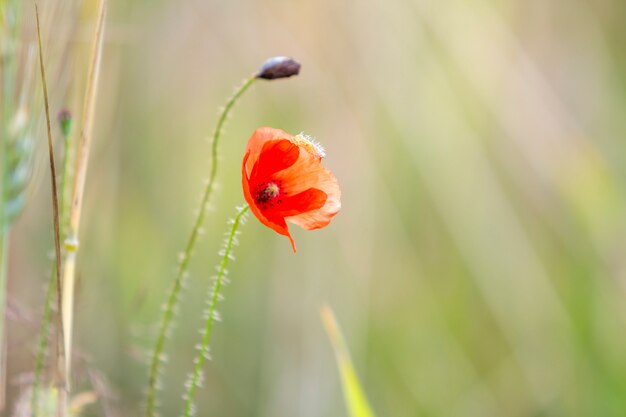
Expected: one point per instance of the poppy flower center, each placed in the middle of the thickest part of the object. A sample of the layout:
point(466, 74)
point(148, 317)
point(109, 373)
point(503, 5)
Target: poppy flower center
point(267, 192)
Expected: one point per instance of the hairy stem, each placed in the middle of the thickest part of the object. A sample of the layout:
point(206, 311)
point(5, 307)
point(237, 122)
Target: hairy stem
point(203, 350)
point(165, 325)
point(42, 342)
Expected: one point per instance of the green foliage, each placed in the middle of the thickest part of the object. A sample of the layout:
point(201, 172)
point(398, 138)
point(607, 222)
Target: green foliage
point(173, 295)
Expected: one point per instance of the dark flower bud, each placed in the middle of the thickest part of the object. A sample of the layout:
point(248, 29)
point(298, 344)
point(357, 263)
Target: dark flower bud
point(65, 122)
point(278, 67)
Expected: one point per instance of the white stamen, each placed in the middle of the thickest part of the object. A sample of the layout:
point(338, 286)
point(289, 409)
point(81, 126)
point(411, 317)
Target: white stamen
point(310, 144)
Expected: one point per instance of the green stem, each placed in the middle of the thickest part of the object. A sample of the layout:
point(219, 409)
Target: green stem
point(203, 350)
point(157, 358)
point(65, 195)
point(42, 344)
point(44, 331)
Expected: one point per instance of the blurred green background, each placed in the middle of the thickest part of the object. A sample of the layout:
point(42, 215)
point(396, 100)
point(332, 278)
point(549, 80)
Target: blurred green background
point(478, 264)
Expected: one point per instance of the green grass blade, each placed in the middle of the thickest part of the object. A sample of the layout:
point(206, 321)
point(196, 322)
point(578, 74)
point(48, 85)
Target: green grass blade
point(355, 398)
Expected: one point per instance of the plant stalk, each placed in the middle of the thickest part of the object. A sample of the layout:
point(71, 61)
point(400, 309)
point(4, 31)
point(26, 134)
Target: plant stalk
point(44, 331)
point(204, 349)
point(165, 325)
point(53, 171)
point(82, 160)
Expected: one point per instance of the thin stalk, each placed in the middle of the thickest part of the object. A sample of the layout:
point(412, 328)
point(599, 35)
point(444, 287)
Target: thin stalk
point(165, 325)
point(42, 343)
point(220, 126)
point(44, 331)
point(82, 160)
point(204, 349)
point(66, 175)
point(62, 377)
point(53, 175)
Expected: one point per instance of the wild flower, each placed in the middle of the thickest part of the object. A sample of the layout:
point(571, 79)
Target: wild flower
point(272, 69)
point(283, 179)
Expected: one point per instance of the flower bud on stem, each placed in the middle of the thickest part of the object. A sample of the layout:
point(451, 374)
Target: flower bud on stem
point(279, 67)
point(268, 71)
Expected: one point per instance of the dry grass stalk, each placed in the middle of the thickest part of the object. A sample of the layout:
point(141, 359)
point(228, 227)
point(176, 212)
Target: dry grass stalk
point(55, 195)
point(82, 160)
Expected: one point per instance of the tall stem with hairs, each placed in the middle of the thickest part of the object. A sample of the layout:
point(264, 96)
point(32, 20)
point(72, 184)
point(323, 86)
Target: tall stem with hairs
point(272, 69)
point(214, 296)
point(157, 358)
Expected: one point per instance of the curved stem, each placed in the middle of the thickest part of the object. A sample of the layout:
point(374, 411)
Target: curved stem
point(157, 358)
point(203, 350)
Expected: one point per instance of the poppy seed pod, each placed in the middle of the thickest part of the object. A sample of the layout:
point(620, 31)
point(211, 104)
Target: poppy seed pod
point(278, 67)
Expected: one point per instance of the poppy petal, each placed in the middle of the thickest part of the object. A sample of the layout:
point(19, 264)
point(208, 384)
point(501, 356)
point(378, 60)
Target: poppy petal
point(306, 201)
point(258, 139)
point(316, 219)
point(308, 172)
point(275, 156)
point(275, 223)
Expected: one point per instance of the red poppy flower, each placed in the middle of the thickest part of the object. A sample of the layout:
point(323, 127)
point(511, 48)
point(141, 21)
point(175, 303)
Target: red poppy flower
point(283, 179)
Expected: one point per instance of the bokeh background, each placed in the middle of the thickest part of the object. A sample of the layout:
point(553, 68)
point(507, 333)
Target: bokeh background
point(477, 266)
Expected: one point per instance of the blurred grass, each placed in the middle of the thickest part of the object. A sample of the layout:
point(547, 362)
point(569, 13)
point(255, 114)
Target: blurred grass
point(355, 398)
point(477, 263)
